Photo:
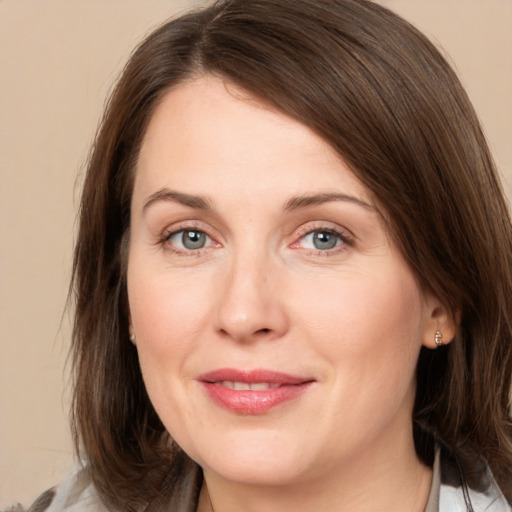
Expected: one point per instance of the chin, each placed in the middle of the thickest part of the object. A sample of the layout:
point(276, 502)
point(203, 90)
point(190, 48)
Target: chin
point(249, 472)
point(260, 460)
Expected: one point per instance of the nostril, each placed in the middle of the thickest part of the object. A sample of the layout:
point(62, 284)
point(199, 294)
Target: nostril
point(263, 331)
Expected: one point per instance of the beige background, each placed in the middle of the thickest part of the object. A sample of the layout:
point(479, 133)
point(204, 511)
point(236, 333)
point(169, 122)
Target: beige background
point(58, 59)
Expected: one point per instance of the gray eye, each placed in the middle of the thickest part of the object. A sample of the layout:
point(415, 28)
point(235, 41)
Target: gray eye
point(324, 240)
point(321, 240)
point(193, 239)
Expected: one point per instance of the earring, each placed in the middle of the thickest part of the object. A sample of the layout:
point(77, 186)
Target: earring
point(132, 336)
point(438, 339)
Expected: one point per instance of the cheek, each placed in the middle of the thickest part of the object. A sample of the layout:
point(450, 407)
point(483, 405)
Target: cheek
point(168, 315)
point(167, 311)
point(363, 309)
point(368, 326)
point(368, 332)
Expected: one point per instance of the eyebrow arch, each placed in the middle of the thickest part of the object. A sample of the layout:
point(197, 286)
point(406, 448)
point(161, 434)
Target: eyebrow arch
point(164, 194)
point(304, 201)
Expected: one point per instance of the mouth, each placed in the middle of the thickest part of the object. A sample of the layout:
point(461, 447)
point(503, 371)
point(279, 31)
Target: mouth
point(252, 392)
point(246, 386)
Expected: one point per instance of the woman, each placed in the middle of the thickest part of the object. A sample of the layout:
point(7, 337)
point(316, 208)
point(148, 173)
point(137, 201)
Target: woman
point(293, 274)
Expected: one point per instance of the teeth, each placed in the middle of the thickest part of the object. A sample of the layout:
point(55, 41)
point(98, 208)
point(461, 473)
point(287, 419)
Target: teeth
point(258, 386)
point(246, 386)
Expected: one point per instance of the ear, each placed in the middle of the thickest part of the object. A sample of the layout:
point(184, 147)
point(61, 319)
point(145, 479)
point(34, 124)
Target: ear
point(441, 323)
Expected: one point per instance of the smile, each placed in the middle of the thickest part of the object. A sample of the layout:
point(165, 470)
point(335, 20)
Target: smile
point(253, 392)
point(246, 386)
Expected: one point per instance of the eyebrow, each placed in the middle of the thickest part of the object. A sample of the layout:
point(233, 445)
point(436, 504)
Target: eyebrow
point(192, 201)
point(305, 201)
point(295, 203)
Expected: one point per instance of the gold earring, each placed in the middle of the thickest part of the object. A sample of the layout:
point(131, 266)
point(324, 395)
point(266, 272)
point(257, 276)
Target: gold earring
point(438, 339)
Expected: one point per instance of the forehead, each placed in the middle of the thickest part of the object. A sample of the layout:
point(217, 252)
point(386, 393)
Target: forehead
point(208, 136)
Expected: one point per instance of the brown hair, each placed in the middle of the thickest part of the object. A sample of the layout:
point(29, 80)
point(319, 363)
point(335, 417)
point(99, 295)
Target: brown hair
point(380, 93)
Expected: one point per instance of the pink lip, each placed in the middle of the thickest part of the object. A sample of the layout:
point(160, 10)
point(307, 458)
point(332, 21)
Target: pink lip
point(252, 401)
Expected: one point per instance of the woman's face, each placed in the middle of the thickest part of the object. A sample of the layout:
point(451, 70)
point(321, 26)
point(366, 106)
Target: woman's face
point(277, 326)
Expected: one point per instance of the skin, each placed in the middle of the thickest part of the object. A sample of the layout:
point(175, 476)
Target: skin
point(261, 294)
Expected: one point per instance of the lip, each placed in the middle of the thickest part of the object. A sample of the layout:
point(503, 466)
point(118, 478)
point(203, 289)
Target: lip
point(285, 387)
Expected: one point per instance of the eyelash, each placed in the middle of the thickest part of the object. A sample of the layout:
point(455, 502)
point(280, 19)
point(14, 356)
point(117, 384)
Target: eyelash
point(167, 235)
point(346, 240)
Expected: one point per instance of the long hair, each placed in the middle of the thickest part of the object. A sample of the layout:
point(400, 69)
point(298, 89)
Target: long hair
point(386, 100)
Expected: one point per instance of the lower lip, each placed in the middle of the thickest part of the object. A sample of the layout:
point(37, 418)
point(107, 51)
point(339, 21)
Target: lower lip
point(251, 401)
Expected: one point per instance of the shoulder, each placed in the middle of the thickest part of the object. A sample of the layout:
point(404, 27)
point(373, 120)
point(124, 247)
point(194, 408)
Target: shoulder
point(76, 494)
point(454, 495)
point(490, 500)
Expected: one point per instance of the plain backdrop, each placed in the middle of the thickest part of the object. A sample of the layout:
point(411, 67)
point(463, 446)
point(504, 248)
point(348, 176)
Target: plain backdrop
point(58, 60)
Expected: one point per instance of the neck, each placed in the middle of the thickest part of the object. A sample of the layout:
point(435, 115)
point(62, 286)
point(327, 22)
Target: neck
point(374, 480)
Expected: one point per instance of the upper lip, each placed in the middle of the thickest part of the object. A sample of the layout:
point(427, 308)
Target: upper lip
point(252, 376)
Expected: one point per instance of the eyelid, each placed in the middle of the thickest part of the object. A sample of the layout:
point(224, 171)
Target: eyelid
point(188, 225)
point(172, 234)
point(346, 236)
point(325, 225)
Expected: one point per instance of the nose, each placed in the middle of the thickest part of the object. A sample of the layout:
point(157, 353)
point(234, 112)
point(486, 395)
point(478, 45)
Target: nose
point(251, 304)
